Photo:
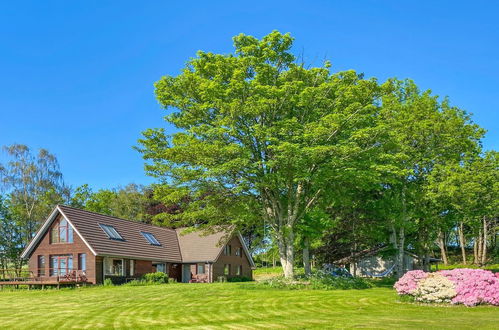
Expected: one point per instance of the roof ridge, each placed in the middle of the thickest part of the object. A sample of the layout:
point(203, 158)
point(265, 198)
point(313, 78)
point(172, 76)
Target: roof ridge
point(112, 216)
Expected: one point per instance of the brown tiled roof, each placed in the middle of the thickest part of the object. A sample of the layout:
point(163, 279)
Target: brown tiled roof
point(176, 245)
point(134, 244)
point(198, 247)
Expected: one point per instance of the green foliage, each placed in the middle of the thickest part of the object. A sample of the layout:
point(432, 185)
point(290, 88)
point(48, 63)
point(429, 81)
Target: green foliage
point(239, 279)
point(318, 281)
point(129, 202)
point(261, 137)
point(33, 185)
point(108, 282)
point(157, 278)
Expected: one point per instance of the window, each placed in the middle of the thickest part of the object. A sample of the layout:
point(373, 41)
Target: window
point(61, 232)
point(160, 268)
point(150, 238)
point(238, 252)
point(226, 269)
point(239, 270)
point(82, 261)
point(61, 265)
point(227, 250)
point(201, 269)
point(113, 267)
point(111, 232)
point(41, 265)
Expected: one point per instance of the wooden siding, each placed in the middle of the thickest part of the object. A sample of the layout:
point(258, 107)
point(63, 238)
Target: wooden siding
point(46, 249)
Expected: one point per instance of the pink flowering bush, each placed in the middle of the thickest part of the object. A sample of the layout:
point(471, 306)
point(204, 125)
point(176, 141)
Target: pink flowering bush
point(474, 286)
point(469, 287)
point(408, 283)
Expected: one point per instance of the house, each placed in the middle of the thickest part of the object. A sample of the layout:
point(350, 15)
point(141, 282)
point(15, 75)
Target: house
point(83, 246)
point(380, 262)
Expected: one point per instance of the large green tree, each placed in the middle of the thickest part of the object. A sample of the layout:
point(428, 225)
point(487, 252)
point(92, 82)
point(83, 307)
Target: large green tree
point(261, 136)
point(424, 133)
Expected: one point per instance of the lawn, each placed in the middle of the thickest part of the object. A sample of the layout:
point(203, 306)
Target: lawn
point(228, 305)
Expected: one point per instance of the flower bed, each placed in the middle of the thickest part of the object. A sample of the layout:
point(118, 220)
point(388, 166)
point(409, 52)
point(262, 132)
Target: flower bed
point(469, 287)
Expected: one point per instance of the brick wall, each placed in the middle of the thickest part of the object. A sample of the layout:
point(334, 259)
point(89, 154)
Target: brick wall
point(232, 260)
point(46, 249)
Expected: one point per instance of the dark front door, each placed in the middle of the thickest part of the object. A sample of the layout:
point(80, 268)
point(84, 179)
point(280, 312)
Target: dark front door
point(186, 273)
point(175, 271)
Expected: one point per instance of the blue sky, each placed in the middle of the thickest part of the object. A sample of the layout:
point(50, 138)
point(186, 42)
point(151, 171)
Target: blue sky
point(77, 77)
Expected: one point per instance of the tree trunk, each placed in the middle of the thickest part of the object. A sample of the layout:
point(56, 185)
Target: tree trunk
point(462, 242)
point(306, 256)
point(400, 252)
point(427, 267)
point(484, 249)
point(441, 245)
point(285, 242)
point(480, 246)
point(475, 251)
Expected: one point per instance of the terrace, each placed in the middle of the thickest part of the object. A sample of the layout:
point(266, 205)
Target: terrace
point(14, 277)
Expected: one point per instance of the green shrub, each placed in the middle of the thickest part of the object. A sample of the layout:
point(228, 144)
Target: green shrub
point(158, 278)
point(239, 279)
point(338, 283)
point(108, 282)
point(318, 281)
point(172, 280)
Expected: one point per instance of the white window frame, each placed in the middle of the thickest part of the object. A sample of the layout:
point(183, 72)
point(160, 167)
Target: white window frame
point(110, 260)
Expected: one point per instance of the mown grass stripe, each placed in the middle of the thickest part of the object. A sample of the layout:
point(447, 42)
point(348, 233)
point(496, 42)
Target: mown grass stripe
point(228, 306)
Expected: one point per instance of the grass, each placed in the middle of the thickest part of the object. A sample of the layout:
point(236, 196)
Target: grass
point(231, 306)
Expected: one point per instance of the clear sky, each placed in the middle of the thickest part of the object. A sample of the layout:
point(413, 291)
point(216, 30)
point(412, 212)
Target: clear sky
point(77, 78)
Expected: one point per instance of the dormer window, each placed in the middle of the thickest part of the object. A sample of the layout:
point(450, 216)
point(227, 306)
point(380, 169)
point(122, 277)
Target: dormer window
point(150, 238)
point(61, 232)
point(111, 232)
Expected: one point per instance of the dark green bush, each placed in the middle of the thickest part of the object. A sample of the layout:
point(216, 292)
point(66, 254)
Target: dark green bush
point(318, 282)
point(339, 283)
point(239, 279)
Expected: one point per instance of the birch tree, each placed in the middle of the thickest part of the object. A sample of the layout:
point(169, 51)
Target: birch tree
point(33, 184)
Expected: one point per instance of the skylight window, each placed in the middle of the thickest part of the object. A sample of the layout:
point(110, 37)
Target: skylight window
point(150, 238)
point(111, 232)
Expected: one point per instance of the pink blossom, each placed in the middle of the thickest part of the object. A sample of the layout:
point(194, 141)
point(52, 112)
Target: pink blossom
point(408, 283)
point(472, 286)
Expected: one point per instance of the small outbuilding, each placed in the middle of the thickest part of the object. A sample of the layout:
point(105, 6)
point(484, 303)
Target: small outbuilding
point(380, 262)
